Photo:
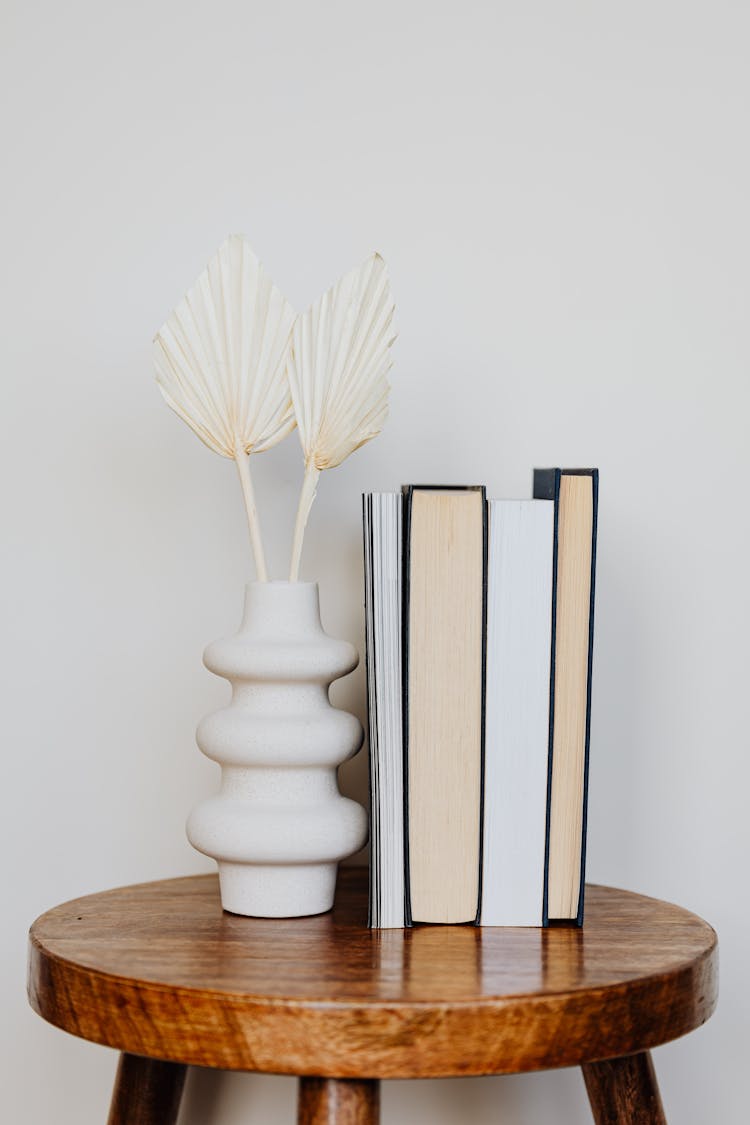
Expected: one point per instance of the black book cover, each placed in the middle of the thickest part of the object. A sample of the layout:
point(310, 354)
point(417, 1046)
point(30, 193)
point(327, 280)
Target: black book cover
point(407, 491)
point(547, 487)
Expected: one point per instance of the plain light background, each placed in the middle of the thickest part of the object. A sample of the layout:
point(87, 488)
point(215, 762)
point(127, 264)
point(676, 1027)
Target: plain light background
point(561, 192)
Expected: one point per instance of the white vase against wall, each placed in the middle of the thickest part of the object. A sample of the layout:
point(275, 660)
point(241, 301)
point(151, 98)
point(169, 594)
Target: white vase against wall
point(279, 826)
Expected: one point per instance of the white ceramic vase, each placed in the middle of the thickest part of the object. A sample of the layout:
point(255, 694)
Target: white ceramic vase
point(279, 826)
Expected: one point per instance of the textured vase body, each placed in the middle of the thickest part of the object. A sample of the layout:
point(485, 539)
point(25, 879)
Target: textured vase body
point(279, 826)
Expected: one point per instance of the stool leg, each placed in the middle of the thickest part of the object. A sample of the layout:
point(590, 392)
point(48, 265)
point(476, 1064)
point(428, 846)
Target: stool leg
point(338, 1101)
point(624, 1091)
point(147, 1092)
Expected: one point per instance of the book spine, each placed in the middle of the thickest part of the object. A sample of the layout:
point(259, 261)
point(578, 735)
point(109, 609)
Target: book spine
point(595, 488)
point(517, 714)
point(407, 493)
point(547, 487)
point(382, 566)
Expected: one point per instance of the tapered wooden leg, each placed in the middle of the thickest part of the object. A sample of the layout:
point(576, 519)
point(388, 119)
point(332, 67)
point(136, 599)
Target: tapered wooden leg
point(147, 1092)
point(624, 1091)
point(338, 1101)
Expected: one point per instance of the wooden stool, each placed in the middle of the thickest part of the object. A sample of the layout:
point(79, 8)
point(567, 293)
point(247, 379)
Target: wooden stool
point(159, 972)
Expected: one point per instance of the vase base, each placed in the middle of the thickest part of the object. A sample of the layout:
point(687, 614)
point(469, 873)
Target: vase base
point(277, 891)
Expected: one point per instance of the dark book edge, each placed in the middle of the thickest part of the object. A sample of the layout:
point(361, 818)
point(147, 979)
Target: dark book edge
point(407, 492)
point(483, 703)
point(367, 560)
point(547, 487)
point(405, 550)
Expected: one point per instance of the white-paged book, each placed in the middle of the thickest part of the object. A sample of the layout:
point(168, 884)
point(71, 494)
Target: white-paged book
point(516, 753)
point(383, 540)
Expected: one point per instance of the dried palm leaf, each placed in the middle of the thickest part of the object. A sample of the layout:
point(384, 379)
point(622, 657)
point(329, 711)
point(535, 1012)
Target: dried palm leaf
point(221, 360)
point(338, 364)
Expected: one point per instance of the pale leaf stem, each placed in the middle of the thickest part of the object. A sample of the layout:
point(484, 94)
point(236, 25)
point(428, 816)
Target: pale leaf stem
point(243, 467)
point(306, 497)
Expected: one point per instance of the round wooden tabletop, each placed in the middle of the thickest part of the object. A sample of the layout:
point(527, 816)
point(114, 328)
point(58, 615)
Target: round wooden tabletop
point(160, 970)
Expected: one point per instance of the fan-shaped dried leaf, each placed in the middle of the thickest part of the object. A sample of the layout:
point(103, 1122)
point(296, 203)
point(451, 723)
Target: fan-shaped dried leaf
point(338, 364)
point(221, 356)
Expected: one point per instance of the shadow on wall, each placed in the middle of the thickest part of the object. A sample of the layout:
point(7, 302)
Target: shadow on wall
point(619, 692)
point(217, 1098)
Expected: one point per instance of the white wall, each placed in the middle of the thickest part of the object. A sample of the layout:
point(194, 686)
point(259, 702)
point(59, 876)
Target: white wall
point(561, 191)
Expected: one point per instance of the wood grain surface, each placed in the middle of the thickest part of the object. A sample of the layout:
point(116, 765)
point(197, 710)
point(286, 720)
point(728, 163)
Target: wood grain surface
point(147, 1092)
point(160, 970)
point(347, 1101)
point(624, 1091)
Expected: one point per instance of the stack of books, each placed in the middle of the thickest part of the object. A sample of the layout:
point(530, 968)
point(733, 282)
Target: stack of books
point(479, 617)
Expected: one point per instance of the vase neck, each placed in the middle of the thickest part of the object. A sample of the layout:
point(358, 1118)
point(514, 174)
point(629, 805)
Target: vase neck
point(281, 608)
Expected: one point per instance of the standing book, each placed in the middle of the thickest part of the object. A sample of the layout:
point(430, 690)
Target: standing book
point(574, 493)
point(519, 633)
point(444, 570)
point(479, 621)
point(383, 550)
